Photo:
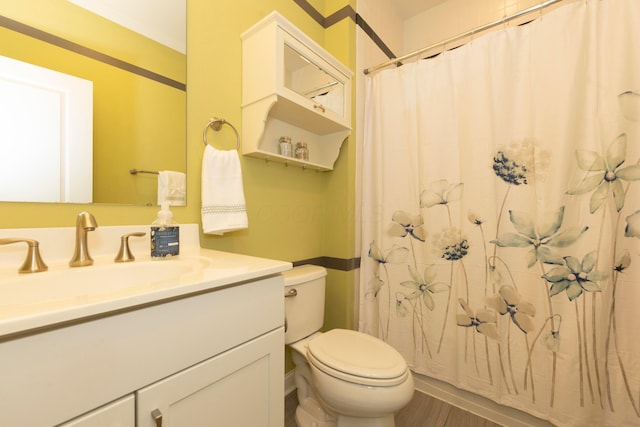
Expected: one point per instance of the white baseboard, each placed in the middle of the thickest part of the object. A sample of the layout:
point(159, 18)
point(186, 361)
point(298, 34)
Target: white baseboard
point(476, 404)
point(289, 383)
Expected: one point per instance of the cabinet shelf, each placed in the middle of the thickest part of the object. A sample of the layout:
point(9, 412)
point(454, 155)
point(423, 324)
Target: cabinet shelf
point(292, 87)
point(265, 121)
point(289, 161)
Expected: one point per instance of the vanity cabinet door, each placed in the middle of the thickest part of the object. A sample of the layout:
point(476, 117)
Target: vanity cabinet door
point(241, 387)
point(120, 413)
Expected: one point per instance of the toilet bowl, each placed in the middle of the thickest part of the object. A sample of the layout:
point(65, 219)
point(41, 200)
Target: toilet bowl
point(344, 378)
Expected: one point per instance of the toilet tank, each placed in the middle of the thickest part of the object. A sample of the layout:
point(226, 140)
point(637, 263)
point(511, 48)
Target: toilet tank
point(304, 301)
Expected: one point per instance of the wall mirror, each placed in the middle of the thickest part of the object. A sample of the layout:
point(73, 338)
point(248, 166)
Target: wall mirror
point(309, 80)
point(133, 54)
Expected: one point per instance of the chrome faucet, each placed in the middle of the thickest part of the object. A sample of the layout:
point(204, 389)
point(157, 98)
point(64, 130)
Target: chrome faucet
point(84, 222)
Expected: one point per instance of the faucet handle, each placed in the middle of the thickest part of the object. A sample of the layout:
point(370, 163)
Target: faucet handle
point(124, 254)
point(33, 263)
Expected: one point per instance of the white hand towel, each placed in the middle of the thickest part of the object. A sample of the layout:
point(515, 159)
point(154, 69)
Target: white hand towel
point(223, 205)
point(172, 188)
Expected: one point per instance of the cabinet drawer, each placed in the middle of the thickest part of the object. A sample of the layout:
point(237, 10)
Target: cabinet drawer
point(120, 413)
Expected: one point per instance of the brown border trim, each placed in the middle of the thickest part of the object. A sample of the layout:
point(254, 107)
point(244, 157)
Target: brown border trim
point(331, 263)
point(374, 37)
point(30, 31)
point(339, 15)
point(345, 12)
point(311, 11)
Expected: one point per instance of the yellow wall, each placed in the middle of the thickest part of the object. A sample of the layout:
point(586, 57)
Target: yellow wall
point(340, 241)
point(294, 214)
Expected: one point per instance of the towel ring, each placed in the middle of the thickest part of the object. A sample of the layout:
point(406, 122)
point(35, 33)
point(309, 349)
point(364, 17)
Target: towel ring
point(215, 124)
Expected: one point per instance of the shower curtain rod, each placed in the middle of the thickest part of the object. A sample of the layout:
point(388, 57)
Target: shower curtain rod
point(398, 61)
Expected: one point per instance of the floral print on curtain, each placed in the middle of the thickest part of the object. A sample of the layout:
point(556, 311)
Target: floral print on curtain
point(502, 215)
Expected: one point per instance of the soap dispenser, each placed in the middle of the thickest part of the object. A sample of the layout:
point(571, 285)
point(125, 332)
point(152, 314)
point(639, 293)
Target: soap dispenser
point(165, 234)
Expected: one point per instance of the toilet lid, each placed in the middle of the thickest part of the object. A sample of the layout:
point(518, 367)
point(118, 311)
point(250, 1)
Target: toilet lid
point(359, 355)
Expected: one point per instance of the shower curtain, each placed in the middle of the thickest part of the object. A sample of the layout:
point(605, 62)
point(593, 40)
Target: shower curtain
point(501, 214)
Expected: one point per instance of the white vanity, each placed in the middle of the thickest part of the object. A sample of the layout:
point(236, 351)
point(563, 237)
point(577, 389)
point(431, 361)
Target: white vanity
point(192, 341)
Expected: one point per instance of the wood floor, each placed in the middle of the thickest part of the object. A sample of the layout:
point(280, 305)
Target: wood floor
point(422, 411)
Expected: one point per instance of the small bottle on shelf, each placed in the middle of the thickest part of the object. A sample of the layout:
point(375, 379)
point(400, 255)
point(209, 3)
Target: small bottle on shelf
point(302, 151)
point(285, 146)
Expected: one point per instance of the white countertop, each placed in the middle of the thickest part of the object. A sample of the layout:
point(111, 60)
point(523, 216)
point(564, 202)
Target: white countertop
point(62, 294)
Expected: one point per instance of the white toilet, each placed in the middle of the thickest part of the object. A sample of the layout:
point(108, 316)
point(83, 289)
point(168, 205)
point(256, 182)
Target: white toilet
point(344, 378)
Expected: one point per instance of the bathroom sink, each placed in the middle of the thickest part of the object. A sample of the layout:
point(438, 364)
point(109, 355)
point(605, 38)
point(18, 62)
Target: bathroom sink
point(64, 295)
point(64, 287)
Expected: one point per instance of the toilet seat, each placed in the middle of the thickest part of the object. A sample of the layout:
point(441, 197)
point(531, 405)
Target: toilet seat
point(358, 358)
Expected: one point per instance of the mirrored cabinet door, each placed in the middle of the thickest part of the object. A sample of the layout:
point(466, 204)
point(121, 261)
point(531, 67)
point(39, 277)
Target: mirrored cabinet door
point(308, 79)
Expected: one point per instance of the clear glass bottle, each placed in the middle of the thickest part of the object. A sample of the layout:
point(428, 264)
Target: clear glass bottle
point(302, 151)
point(285, 146)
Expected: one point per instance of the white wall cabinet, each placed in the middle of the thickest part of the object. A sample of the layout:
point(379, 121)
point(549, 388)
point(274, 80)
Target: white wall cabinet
point(293, 87)
point(212, 358)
